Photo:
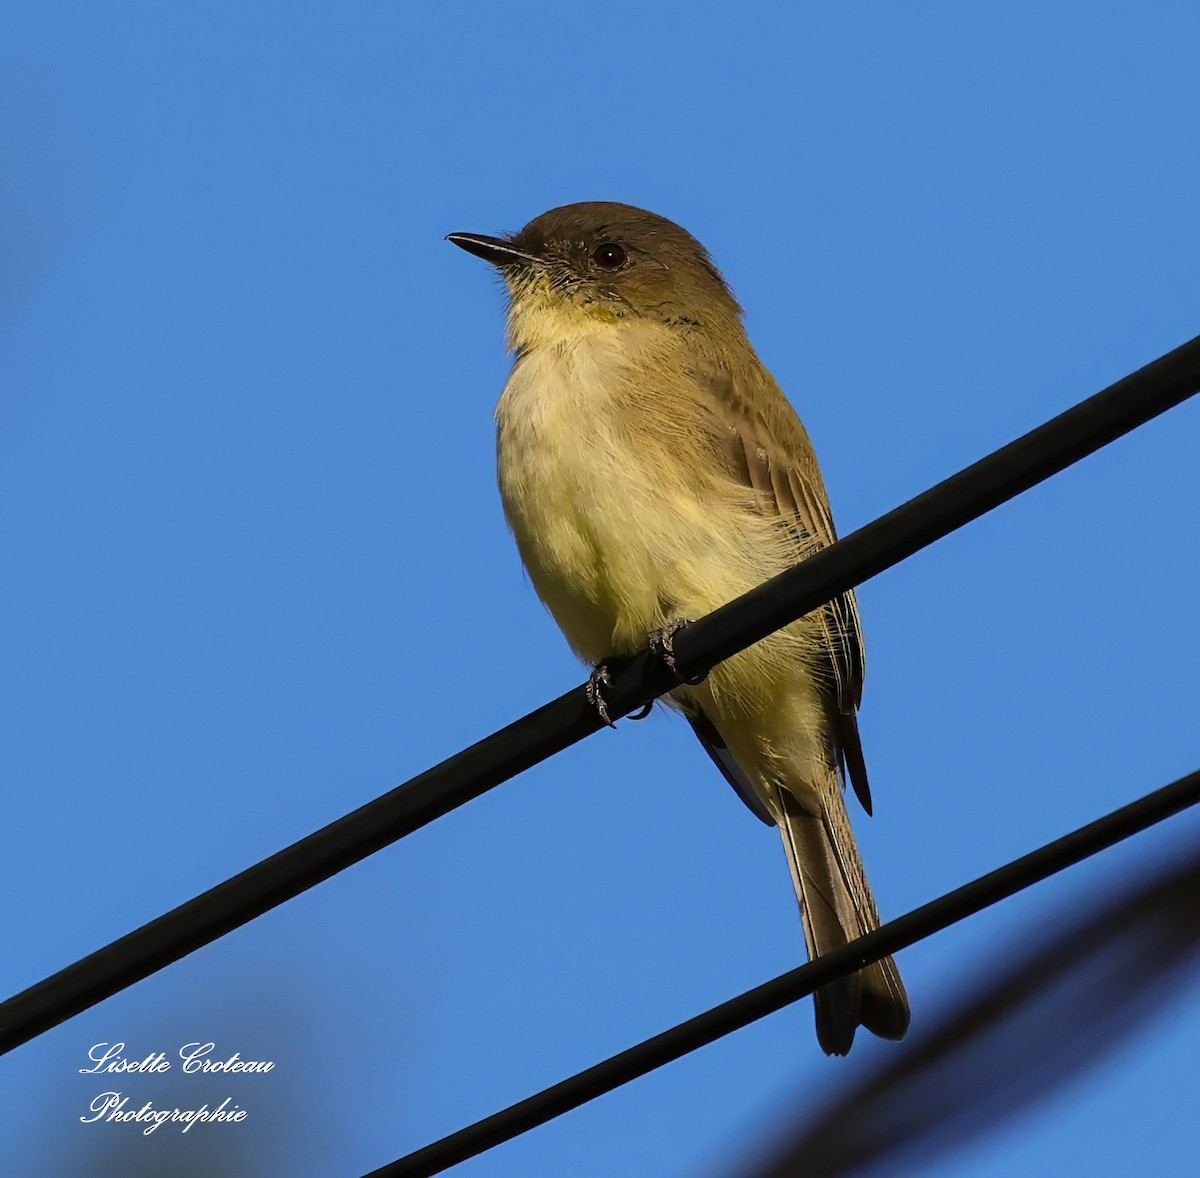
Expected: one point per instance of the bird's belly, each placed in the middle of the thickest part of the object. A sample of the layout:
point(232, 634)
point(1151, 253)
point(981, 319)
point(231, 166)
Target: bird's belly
point(588, 527)
point(619, 554)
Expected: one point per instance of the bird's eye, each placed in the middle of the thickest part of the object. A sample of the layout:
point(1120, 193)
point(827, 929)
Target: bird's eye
point(609, 256)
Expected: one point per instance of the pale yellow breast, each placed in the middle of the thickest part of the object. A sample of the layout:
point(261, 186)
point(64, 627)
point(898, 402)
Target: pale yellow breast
point(572, 490)
point(621, 521)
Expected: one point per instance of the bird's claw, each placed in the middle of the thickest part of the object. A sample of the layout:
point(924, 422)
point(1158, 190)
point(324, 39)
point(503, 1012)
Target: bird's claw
point(598, 680)
point(662, 646)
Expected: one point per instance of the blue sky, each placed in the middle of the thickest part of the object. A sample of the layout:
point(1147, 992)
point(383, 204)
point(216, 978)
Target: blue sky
point(257, 571)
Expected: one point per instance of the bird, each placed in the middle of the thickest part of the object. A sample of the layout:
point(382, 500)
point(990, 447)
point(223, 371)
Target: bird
point(651, 470)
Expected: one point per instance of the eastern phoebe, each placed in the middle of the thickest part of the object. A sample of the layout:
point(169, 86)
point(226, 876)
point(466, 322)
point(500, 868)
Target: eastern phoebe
point(652, 470)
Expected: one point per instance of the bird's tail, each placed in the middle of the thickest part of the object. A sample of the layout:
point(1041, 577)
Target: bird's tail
point(836, 906)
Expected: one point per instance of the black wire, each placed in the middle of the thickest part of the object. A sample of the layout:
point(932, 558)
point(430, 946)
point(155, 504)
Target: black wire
point(739, 1012)
point(1000, 476)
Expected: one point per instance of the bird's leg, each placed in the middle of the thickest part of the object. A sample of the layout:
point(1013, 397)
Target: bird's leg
point(662, 646)
point(598, 680)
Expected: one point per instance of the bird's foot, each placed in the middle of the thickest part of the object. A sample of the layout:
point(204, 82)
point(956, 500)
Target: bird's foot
point(662, 646)
point(598, 680)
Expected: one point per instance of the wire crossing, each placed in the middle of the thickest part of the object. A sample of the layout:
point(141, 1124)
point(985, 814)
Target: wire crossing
point(900, 533)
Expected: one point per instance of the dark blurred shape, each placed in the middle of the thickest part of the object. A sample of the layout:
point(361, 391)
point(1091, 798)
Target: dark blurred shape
point(1030, 1031)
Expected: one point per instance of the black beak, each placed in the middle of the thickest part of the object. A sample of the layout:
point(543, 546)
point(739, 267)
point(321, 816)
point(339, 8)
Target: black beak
point(493, 249)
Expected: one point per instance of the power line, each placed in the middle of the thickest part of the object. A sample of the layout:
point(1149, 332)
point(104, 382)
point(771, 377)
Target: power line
point(739, 1012)
point(1000, 476)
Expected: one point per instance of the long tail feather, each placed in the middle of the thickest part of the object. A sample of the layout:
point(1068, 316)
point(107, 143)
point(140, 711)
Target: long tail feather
point(836, 906)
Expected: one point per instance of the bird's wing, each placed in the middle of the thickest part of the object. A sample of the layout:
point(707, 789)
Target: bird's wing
point(769, 450)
